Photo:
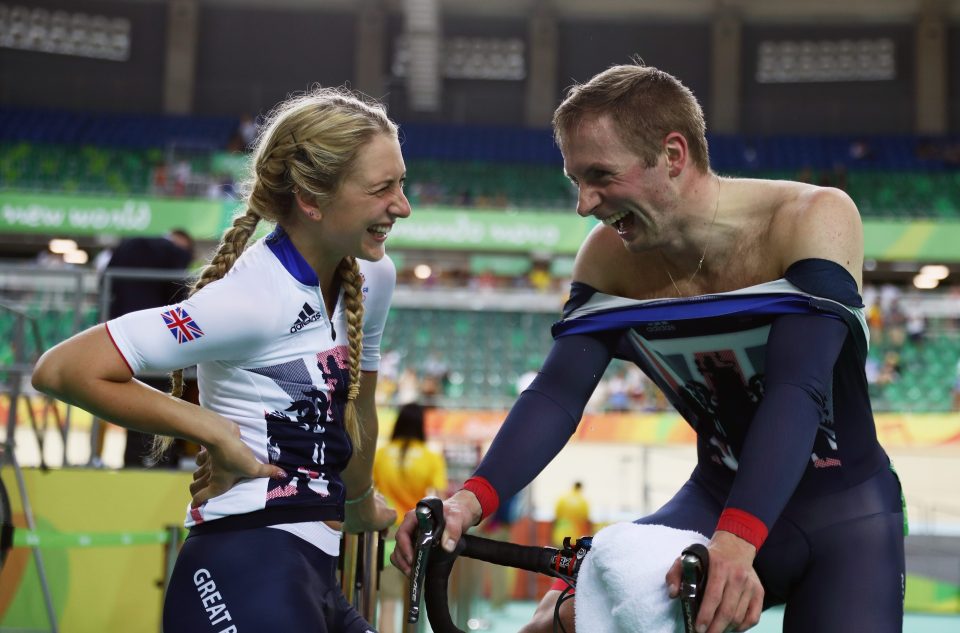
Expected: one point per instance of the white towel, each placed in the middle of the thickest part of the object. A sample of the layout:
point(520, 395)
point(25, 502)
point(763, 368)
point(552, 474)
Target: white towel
point(621, 587)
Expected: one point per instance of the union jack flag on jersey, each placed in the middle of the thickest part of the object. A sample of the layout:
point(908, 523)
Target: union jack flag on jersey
point(181, 325)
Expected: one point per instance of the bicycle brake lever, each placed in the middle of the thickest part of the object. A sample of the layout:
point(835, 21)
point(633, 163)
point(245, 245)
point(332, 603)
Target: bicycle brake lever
point(565, 563)
point(430, 524)
point(694, 563)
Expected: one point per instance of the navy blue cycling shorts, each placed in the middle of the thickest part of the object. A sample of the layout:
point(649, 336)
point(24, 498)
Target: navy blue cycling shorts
point(836, 561)
point(261, 579)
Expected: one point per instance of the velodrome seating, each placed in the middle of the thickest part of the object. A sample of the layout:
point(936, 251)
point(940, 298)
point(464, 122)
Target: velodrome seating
point(485, 352)
point(115, 154)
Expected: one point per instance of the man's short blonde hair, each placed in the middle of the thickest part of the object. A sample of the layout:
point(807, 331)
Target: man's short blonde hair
point(645, 103)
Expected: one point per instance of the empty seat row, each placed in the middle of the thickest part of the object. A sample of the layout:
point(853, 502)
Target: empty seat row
point(497, 144)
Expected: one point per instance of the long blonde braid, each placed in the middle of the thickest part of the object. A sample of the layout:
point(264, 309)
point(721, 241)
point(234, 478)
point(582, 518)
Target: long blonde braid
point(352, 282)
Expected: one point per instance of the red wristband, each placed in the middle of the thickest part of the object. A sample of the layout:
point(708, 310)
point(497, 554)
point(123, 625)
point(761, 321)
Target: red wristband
point(486, 495)
point(743, 524)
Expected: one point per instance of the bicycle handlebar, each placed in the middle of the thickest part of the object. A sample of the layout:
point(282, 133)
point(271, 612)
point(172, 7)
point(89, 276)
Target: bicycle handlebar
point(432, 566)
point(694, 564)
point(542, 560)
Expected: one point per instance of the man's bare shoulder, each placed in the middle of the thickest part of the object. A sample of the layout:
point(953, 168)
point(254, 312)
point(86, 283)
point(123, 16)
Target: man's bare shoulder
point(818, 222)
point(605, 263)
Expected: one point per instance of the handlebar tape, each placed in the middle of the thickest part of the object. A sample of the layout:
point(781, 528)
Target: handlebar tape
point(535, 559)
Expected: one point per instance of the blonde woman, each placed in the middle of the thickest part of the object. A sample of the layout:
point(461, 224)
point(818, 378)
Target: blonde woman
point(285, 335)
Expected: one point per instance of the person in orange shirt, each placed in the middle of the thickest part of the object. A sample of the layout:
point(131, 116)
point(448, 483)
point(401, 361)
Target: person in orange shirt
point(405, 471)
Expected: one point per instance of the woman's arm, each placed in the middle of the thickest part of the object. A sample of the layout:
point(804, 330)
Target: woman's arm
point(366, 510)
point(87, 371)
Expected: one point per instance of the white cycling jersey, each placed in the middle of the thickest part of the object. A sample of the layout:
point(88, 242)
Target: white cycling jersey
point(269, 358)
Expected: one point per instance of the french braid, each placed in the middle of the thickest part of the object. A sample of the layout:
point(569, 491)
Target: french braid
point(352, 282)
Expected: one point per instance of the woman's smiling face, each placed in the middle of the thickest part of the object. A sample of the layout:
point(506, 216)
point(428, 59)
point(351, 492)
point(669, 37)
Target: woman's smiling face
point(357, 219)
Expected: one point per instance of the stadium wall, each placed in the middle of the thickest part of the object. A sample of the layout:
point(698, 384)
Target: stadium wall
point(250, 57)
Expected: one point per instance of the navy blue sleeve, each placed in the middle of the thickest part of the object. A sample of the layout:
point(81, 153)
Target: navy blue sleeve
point(580, 293)
point(800, 357)
point(547, 413)
point(825, 278)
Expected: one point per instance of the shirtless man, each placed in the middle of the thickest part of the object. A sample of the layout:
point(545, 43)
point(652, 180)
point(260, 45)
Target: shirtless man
point(797, 496)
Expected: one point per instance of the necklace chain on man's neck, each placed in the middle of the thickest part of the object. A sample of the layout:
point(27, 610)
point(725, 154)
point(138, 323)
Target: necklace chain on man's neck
point(703, 255)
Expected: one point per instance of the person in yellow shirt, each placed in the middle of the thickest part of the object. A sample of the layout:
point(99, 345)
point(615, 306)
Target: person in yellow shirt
point(405, 471)
point(571, 516)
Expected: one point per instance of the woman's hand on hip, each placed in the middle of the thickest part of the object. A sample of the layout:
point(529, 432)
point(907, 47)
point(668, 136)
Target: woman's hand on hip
point(221, 465)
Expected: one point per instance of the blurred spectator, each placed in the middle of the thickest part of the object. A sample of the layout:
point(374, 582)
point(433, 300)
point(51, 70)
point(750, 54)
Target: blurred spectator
point(805, 175)
point(221, 187)
point(571, 516)
point(405, 470)
point(618, 393)
point(464, 199)
point(835, 177)
point(860, 150)
point(889, 297)
point(838, 177)
point(636, 387)
point(890, 369)
point(426, 193)
point(872, 369)
point(172, 252)
point(916, 327)
point(408, 386)
point(873, 313)
point(159, 179)
point(945, 152)
point(182, 172)
point(539, 275)
point(485, 280)
point(246, 131)
point(894, 326)
point(436, 376)
point(387, 377)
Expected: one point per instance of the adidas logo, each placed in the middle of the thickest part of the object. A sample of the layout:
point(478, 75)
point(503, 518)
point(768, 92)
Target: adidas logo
point(307, 316)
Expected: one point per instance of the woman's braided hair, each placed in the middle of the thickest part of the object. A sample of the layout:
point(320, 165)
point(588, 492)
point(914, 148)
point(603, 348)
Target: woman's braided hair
point(307, 144)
